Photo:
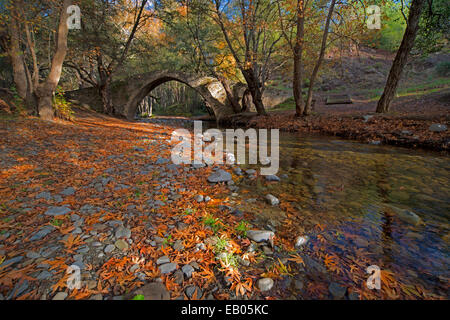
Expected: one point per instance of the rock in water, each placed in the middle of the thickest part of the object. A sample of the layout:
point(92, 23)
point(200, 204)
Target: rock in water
point(219, 176)
point(272, 200)
point(272, 177)
point(405, 215)
point(265, 284)
point(337, 291)
point(260, 235)
point(437, 127)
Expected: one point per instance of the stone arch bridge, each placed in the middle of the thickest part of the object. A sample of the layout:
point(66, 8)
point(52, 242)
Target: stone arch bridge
point(127, 94)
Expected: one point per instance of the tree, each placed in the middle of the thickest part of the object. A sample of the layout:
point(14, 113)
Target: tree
point(102, 42)
point(45, 90)
point(296, 45)
point(247, 28)
point(313, 77)
point(21, 44)
point(401, 56)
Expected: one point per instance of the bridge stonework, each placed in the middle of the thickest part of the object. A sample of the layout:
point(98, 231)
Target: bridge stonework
point(127, 94)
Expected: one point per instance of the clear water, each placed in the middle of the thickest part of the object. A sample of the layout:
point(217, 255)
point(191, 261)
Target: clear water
point(360, 194)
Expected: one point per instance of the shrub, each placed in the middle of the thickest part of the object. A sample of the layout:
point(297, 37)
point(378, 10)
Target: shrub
point(63, 108)
point(443, 69)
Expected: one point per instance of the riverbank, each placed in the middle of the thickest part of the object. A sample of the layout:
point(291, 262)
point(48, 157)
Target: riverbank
point(408, 125)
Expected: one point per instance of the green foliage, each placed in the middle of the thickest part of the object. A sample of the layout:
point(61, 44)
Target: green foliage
point(393, 26)
point(229, 259)
point(63, 108)
point(443, 69)
point(242, 228)
point(138, 297)
point(221, 245)
point(56, 222)
point(434, 27)
point(168, 241)
point(213, 223)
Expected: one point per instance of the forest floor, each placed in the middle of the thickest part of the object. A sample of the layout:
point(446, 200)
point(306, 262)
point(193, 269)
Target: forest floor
point(100, 195)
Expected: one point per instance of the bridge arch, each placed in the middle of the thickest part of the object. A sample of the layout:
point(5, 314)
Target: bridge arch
point(210, 89)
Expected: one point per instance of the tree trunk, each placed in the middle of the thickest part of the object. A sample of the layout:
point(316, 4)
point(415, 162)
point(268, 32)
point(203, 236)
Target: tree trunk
point(16, 56)
point(246, 101)
point(46, 90)
point(298, 62)
point(255, 91)
point(105, 94)
point(401, 57)
point(233, 101)
point(313, 77)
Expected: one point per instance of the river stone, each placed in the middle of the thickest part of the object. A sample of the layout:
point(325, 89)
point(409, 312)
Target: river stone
point(68, 191)
point(96, 297)
point(199, 198)
point(194, 289)
point(109, 248)
point(178, 277)
point(167, 268)
point(219, 176)
point(11, 261)
point(260, 235)
point(272, 200)
point(178, 245)
point(57, 211)
point(42, 233)
point(162, 161)
point(237, 171)
point(33, 255)
point(405, 215)
point(122, 232)
point(337, 291)
point(437, 127)
point(44, 195)
point(163, 260)
point(44, 275)
point(153, 291)
point(121, 245)
point(60, 296)
point(264, 284)
point(187, 270)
